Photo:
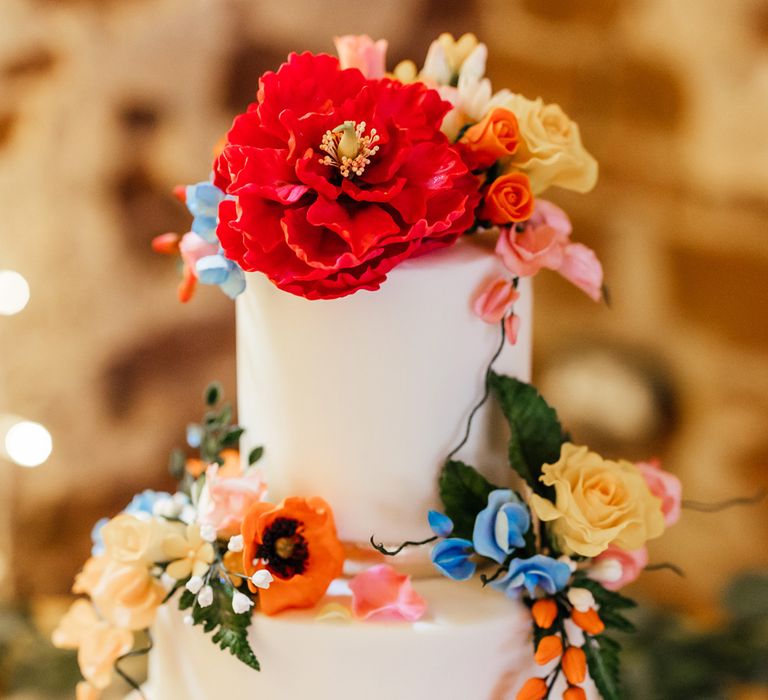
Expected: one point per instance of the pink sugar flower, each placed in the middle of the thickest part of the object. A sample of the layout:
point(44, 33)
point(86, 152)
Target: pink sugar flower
point(495, 299)
point(632, 564)
point(664, 486)
point(512, 328)
point(193, 248)
point(382, 593)
point(361, 52)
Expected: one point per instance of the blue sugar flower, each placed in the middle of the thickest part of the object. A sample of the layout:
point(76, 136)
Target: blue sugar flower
point(501, 526)
point(144, 502)
point(203, 201)
point(440, 523)
point(217, 270)
point(539, 573)
point(452, 558)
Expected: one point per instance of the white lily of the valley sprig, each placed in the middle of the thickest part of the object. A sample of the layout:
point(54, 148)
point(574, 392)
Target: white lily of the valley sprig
point(241, 603)
point(194, 584)
point(235, 543)
point(581, 599)
point(205, 597)
point(262, 578)
point(606, 571)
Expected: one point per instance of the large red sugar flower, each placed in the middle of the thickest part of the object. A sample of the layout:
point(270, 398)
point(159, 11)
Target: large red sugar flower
point(335, 179)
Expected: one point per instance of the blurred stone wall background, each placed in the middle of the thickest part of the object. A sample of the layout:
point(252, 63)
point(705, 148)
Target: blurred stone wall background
point(106, 104)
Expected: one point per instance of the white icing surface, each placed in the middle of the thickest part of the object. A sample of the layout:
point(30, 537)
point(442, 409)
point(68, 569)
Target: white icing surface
point(471, 645)
point(360, 399)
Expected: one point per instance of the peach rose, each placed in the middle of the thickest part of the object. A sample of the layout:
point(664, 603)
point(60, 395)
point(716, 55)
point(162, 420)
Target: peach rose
point(99, 644)
point(665, 486)
point(598, 502)
point(495, 136)
point(133, 539)
point(508, 199)
point(550, 152)
point(228, 493)
point(127, 595)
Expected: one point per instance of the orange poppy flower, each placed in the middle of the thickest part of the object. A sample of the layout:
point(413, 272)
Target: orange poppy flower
point(296, 542)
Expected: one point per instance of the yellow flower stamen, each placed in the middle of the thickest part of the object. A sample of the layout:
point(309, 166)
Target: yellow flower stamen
point(347, 149)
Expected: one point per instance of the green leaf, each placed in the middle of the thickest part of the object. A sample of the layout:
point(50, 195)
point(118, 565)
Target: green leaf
point(536, 434)
point(232, 437)
point(603, 661)
point(230, 628)
point(177, 464)
point(213, 394)
point(464, 493)
point(604, 597)
point(255, 455)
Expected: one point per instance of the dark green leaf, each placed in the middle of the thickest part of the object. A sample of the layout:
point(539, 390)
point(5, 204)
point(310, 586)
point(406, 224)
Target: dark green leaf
point(603, 660)
point(604, 597)
point(536, 433)
point(213, 394)
point(232, 437)
point(255, 455)
point(230, 628)
point(225, 415)
point(464, 493)
point(177, 464)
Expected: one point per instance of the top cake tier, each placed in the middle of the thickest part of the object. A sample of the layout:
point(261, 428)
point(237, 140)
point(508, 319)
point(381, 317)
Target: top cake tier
point(361, 399)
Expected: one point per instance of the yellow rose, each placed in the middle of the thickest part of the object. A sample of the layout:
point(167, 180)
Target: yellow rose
point(130, 539)
point(598, 502)
point(127, 595)
point(550, 152)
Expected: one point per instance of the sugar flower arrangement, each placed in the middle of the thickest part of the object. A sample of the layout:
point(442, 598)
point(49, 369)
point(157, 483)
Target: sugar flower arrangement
point(219, 550)
point(340, 171)
point(568, 531)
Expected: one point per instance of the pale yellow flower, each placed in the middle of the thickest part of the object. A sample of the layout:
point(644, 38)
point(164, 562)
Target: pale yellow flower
point(598, 502)
point(190, 555)
point(130, 539)
point(550, 151)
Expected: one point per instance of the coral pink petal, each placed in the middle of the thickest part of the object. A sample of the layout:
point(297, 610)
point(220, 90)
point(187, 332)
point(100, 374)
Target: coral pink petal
point(384, 594)
point(494, 300)
point(512, 328)
point(581, 267)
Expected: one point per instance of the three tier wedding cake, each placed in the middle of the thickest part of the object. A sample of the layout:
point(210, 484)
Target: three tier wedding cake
point(399, 513)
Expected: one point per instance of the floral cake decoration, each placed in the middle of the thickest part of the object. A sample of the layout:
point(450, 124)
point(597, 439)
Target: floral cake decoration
point(337, 173)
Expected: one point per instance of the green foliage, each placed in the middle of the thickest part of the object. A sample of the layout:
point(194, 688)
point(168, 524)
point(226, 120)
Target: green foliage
point(603, 661)
point(535, 431)
point(213, 394)
point(610, 604)
point(176, 464)
point(464, 493)
point(255, 455)
point(230, 629)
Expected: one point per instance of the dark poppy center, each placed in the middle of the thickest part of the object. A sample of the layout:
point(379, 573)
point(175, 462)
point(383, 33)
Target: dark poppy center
point(284, 548)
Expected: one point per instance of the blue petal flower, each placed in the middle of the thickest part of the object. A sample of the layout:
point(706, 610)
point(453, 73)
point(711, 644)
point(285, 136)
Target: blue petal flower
point(536, 574)
point(144, 502)
point(452, 558)
point(440, 523)
point(234, 285)
point(501, 526)
point(195, 434)
point(203, 201)
point(212, 269)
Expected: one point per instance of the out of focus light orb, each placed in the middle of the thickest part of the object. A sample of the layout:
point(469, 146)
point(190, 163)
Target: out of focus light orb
point(14, 292)
point(28, 444)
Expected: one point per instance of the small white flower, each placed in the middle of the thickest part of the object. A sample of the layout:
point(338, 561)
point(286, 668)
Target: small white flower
point(208, 533)
point(262, 579)
point(166, 508)
point(205, 597)
point(581, 599)
point(235, 543)
point(188, 620)
point(194, 585)
point(188, 514)
point(567, 560)
point(606, 571)
point(241, 603)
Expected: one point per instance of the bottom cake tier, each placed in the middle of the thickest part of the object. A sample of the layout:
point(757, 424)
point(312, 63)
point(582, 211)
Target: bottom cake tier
point(472, 644)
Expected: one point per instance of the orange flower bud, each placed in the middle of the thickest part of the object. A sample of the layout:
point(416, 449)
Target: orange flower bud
point(544, 612)
point(589, 621)
point(496, 136)
point(166, 243)
point(508, 199)
point(533, 689)
point(550, 647)
point(575, 665)
point(573, 692)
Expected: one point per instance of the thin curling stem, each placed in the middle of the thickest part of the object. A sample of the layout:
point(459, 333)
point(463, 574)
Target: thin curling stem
point(486, 395)
point(666, 566)
point(717, 506)
point(136, 652)
point(392, 552)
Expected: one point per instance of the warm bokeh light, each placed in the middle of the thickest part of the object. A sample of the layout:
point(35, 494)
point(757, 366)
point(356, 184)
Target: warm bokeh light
point(28, 444)
point(14, 292)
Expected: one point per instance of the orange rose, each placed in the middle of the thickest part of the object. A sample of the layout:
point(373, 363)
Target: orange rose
point(508, 199)
point(496, 136)
point(127, 595)
point(296, 542)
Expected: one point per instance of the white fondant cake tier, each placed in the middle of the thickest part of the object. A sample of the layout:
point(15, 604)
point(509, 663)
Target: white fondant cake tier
point(360, 399)
point(473, 644)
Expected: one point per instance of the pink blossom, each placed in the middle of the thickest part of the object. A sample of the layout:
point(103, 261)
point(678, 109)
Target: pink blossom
point(512, 328)
point(382, 593)
point(664, 486)
point(193, 248)
point(632, 565)
point(545, 242)
point(228, 494)
point(495, 299)
point(361, 52)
